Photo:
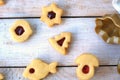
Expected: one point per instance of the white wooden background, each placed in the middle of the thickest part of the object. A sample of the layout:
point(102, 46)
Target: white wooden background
point(79, 18)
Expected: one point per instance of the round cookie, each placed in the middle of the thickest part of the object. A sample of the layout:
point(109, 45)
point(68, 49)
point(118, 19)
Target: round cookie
point(86, 63)
point(20, 31)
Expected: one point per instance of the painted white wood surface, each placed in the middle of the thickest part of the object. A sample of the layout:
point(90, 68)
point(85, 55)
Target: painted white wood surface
point(32, 8)
point(64, 73)
point(84, 39)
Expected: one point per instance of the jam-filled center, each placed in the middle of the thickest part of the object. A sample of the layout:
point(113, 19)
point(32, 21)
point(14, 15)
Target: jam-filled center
point(32, 70)
point(19, 30)
point(61, 41)
point(51, 14)
point(85, 69)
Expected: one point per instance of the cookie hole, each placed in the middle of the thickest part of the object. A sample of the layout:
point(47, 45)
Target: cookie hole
point(51, 14)
point(19, 30)
point(32, 70)
point(85, 69)
point(61, 41)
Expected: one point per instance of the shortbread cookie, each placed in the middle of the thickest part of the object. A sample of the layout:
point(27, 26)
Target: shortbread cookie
point(38, 70)
point(51, 15)
point(2, 2)
point(61, 42)
point(20, 31)
point(86, 63)
point(1, 76)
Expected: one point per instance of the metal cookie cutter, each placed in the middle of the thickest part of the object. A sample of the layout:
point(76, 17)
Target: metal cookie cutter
point(108, 27)
point(118, 66)
point(116, 5)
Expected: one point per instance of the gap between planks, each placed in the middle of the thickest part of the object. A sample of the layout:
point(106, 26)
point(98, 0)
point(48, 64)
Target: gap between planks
point(57, 66)
point(40, 17)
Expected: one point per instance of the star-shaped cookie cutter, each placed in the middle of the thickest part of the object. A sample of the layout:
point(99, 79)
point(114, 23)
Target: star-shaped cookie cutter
point(108, 27)
point(52, 8)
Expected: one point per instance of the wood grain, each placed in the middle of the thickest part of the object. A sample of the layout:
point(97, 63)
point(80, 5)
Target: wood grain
point(32, 8)
point(64, 73)
point(84, 39)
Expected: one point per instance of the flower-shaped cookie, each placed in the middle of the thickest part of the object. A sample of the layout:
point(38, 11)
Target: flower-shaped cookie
point(51, 15)
point(86, 63)
point(2, 2)
point(108, 27)
point(38, 69)
point(20, 31)
point(61, 42)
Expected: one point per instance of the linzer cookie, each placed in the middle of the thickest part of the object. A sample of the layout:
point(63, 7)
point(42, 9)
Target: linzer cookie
point(108, 28)
point(61, 42)
point(51, 15)
point(1, 77)
point(86, 63)
point(38, 69)
point(20, 30)
point(2, 2)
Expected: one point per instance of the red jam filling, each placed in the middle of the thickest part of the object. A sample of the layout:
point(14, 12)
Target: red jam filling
point(51, 15)
point(85, 69)
point(32, 70)
point(19, 30)
point(60, 42)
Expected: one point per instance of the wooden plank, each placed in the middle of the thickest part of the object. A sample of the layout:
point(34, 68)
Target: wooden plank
point(64, 73)
point(32, 8)
point(84, 40)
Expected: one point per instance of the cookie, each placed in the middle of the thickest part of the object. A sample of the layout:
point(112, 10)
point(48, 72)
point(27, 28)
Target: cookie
point(61, 42)
point(51, 15)
point(38, 69)
point(20, 31)
point(86, 63)
point(1, 76)
point(2, 2)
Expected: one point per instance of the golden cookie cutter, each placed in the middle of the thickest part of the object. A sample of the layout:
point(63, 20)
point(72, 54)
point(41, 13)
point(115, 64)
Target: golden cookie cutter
point(118, 66)
point(108, 27)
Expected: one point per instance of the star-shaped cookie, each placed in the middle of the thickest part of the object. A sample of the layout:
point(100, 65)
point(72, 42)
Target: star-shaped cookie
point(51, 15)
